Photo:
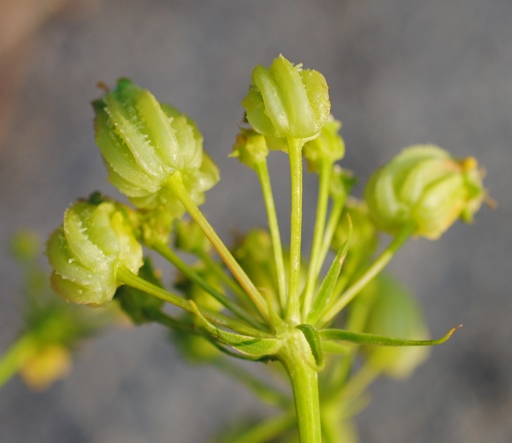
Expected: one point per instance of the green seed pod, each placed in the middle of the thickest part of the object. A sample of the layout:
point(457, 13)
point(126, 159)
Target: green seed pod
point(394, 313)
point(144, 143)
point(328, 146)
point(424, 185)
point(250, 148)
point(286, 101)
point(88, 249)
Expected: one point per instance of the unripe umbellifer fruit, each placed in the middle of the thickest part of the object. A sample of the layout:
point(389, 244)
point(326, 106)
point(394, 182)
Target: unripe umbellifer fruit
point(144, 143)
point(426, 187)
point(286, 101)
point(86, 252)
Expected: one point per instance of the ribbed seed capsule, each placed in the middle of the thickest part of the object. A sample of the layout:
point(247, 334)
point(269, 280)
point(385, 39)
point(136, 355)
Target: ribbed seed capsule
point(88, 249)
point(144, 143)
point(286, 101)
point(424, 185)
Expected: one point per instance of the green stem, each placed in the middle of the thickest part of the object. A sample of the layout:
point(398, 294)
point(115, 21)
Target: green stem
point(378, 265)
point(304, 379)
point(293, 311)
point(315, 259)
point(263, 175)
point(15, 356)
point(176, 185)
point(189, 272)
point(129, 278)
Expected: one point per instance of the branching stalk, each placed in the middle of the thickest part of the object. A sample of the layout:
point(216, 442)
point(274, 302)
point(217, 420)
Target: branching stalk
point(316, 259)
point(263, 175)
point(177, 186)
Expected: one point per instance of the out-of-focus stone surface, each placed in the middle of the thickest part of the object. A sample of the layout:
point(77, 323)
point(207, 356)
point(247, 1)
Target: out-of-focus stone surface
point(400, 72)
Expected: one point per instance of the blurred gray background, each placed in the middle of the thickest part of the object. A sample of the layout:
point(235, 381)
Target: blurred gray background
point(400, 72)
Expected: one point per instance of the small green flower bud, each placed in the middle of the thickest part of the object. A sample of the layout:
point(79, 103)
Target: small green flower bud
point(46, 365)
point(286, 101)
point(144, 143)
point(254, 253)
point(426, 186)
point(88, 249)
point(25, 246)
point(342, 182)
point(190, 238)
point(155, 225)
point(328, 146)
point(250, 148)
point(395, 313)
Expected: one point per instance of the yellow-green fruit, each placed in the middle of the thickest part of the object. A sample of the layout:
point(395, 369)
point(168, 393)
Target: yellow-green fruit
point(86, 252)
point(427, 187)
point(286, 101)
point(144, 143)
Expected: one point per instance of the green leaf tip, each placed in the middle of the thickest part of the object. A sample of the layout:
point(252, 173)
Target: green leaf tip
point(363, 338)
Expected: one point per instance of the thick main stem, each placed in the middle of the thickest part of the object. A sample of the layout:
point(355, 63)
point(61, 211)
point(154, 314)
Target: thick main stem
point(304, 379)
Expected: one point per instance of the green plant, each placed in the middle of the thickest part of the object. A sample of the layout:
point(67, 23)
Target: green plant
point(258, 300)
